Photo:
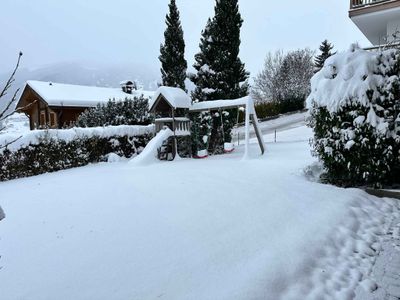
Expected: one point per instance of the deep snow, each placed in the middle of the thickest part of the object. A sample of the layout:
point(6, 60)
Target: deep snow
point(218, 228)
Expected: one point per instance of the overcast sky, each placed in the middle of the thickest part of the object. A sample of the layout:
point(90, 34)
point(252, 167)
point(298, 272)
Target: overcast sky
point(115, 31)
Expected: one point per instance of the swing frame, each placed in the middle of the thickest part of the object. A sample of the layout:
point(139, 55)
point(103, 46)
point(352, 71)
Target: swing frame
point(251, 116)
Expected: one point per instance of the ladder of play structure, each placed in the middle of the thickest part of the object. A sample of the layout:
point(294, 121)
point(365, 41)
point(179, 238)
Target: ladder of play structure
point(166, 151)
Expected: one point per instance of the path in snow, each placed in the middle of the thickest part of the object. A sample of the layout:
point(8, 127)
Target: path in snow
point(386, 269)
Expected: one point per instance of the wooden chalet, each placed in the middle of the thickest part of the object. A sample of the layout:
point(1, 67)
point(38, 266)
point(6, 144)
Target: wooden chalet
point(56, 105)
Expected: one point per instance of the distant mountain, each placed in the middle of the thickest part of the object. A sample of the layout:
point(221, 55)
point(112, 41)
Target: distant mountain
point(85, 74)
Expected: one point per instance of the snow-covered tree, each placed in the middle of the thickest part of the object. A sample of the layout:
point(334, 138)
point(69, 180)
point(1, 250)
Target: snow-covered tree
point(325, 52)
point(205, 77)
point(172, 56)
point(114, 113)
point(220, 72)
point(355, 114)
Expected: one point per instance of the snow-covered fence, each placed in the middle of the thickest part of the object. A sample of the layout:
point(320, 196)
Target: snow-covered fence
point(43, 151)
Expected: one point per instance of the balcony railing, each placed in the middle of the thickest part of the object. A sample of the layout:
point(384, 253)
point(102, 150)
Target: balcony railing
point(354, 4)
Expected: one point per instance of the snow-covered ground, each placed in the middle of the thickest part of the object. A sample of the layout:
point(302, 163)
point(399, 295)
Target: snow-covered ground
point(15, 124)
point(218, 228)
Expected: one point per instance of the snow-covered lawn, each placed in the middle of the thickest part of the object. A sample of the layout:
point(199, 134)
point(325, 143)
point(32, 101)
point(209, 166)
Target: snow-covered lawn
point(15, 124)
point(219, 228)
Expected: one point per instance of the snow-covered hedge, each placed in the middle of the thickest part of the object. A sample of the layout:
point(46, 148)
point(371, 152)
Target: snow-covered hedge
point(115, 113)
point(355, 113)
point(43, 151)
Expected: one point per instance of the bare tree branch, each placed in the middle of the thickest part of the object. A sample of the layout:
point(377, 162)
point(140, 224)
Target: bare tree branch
point(9, 143)
point(12, 77)
point(2, 118)
point(2, 113)
point(7, 86)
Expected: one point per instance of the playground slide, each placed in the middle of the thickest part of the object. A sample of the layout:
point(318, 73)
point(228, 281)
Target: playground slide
point(149, 154)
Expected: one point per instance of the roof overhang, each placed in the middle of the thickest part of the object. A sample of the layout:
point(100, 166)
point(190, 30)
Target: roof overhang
point(373, 20)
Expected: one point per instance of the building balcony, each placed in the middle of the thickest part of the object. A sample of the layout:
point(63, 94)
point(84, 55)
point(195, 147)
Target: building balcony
point(378, 20)
point(359, 4)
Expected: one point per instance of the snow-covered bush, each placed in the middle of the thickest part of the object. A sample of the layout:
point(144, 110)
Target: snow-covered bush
point(355, 112)
point(40, 152)
point(115, 113)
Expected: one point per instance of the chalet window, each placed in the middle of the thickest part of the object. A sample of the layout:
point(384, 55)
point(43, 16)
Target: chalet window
point(42, 118)
point(53, 119)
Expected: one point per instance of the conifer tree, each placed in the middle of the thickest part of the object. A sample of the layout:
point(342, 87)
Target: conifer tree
point(172, 56)
point(206, 77)
point(326, 52)
point(220, 72)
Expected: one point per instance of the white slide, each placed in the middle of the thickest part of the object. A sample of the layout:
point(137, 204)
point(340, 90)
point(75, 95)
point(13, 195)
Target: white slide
point(149, 154)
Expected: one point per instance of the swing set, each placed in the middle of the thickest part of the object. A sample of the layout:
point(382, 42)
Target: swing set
point(173, 106)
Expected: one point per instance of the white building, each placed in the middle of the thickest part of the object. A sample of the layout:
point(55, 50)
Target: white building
point(378, 20)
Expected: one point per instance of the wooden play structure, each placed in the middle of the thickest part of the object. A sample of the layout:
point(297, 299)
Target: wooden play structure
point(171, 108)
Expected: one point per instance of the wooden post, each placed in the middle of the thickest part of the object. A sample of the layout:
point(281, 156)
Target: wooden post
point(222, 125)
point(175, 142)
point(258, 132)
point(247, 131)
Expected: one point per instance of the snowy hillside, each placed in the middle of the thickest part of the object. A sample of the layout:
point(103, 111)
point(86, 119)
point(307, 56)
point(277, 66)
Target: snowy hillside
point(254, 229)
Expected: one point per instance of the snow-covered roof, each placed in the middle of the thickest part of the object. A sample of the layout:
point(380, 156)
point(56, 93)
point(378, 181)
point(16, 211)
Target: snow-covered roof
point(176, 97)
point(217, 104)
point(59, 94)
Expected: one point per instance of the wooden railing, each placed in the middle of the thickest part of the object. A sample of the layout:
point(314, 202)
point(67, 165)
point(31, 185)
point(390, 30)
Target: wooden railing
point(354, 4)
point(181, 126)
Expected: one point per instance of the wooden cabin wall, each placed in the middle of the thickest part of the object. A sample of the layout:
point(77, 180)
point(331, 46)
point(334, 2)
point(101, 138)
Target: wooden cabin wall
point(35, 106)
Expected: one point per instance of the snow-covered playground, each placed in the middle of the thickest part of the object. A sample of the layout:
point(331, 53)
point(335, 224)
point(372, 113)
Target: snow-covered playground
point(254, 229)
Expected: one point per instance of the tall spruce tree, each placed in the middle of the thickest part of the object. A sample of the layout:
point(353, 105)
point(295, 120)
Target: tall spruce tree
point(220, 72)
point(172, 56)
point(205, 78)
point(326, 52)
